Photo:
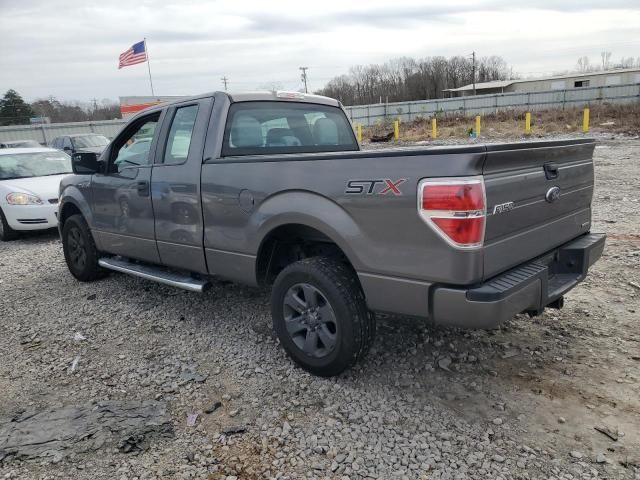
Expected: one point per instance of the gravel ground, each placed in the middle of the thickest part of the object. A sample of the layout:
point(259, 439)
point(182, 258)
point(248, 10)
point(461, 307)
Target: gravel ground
point(429, 403)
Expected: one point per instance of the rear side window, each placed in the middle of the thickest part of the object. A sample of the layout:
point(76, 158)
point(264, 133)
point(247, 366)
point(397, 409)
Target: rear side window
point(263, 128)
point(179, 138)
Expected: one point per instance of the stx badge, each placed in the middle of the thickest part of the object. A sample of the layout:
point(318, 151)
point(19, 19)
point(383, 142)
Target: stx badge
point(374, 187)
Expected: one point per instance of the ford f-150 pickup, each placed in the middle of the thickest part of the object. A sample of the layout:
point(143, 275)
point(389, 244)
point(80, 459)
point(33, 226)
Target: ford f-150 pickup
point(273, 189)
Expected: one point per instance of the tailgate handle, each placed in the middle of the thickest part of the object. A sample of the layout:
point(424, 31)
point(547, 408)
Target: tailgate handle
point(550, 171)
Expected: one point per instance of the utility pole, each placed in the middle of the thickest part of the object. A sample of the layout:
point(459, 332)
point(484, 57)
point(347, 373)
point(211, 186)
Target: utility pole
point(473, 70)
point(224, 81)
point(303, 76)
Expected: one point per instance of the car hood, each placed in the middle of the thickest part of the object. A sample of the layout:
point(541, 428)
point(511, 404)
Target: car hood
point(91, 149)
point(44, 187)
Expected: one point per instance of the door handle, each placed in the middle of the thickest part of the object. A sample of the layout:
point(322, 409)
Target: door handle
point(143, 188)
point(550, 171)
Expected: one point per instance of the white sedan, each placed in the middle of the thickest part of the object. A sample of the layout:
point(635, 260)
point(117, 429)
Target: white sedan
point(29, 182)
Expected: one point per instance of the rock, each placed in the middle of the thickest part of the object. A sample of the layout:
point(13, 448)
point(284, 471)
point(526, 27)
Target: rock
point(562, 420)
point(444, 363)
point(497, 421)
point(498, 458)
point(576, 454)
point(286, 428)
point(234, 430)
point(600, 458)
point(214, 406)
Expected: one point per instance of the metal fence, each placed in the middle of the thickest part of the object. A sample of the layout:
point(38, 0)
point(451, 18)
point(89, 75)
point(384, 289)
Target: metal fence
point(404, 111)
point(46, 132)
point(486, 104)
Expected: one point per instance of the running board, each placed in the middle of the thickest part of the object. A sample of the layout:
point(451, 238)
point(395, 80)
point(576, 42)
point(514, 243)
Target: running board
point(155, 273)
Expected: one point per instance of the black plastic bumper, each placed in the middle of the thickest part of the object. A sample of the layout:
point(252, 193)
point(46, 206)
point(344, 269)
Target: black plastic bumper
point(529, 287)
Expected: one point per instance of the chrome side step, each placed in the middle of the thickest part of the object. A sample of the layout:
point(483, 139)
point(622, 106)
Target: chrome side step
point(155, 273)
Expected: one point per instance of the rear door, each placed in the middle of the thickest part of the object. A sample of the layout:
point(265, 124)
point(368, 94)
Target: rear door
point(175, 185)
point(538, 197)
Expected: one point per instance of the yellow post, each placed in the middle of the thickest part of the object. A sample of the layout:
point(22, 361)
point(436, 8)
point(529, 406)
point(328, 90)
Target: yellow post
point(359, 133)
point(434, 128)
point(396, 129)
point(585, 120)
point(527, 123)
point(477, 126)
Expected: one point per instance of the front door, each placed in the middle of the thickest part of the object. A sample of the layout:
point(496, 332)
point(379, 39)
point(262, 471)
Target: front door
point(122, 208)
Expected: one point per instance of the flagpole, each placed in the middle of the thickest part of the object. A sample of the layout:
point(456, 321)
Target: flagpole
point(146, 50)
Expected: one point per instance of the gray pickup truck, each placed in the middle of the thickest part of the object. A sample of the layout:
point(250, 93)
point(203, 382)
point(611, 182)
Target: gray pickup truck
point(273, 189)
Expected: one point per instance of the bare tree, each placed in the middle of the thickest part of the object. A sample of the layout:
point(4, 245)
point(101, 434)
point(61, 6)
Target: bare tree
point(406, 78)
point(606, 59)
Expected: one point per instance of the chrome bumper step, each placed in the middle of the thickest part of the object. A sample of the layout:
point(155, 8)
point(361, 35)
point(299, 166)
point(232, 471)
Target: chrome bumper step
point(155, 273)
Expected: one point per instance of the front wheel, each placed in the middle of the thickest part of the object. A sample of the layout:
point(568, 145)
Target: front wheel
point(6, 232)
point(320, 315)
point(80, 250)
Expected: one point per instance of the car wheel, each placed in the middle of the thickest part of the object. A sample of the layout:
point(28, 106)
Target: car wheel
point(6, 232)
point(80, 250)
point(320, 315)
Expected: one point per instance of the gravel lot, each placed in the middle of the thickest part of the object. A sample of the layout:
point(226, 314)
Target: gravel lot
point(429, 403)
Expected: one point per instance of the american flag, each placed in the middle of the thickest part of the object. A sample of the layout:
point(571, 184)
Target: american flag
point(136, 54)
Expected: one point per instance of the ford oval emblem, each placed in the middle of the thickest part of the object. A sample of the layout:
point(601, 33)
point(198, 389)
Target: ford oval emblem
point(553, 194)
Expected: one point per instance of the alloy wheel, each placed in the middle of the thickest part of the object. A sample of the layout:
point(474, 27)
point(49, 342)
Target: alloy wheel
point(310, 320)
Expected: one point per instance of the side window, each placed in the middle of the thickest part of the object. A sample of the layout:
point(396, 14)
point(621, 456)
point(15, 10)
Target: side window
point(132, 148)
point(180, 133)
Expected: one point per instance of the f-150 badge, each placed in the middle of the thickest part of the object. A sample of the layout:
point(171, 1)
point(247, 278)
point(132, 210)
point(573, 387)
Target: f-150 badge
point(382, 186)
point(503, 208)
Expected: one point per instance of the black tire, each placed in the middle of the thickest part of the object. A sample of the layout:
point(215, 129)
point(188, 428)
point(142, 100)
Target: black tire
point(324, 341)
point(6, 232)
point(80, 250)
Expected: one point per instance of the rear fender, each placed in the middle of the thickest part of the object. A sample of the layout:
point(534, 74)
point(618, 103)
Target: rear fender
point(311, 210)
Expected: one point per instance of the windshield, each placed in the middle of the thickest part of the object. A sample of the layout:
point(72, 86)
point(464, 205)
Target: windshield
point(37, 164)
point(90, 141)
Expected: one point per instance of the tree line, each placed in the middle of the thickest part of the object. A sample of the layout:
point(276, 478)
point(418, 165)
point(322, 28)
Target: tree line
point(15, 111)
point(406, 78)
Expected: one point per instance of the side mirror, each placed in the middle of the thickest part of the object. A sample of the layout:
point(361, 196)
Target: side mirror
point(85, 163)
point(67, 149)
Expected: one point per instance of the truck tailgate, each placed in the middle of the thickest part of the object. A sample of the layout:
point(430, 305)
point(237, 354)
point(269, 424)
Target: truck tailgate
point(538, 197)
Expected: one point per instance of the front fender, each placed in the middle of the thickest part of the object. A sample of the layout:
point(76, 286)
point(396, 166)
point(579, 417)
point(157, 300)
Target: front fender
point(77, 194)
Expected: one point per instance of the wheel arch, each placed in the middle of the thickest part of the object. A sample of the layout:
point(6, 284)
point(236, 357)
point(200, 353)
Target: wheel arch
point(303, 219)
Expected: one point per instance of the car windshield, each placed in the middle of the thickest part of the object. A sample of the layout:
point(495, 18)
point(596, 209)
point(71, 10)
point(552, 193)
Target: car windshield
point(87, 141)
point(36, 164)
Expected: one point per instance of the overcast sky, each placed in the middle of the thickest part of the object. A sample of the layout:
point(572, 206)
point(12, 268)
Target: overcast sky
point(69, 48)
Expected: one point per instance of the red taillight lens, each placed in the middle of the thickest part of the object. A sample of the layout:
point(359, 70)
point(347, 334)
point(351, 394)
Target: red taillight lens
point(455, 198)
point(455, 208)
point(465, 231)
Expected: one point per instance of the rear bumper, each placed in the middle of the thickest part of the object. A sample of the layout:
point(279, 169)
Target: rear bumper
point(529, 287)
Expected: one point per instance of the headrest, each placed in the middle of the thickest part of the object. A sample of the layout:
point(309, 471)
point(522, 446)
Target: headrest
point(246, 132)
point(325, 132)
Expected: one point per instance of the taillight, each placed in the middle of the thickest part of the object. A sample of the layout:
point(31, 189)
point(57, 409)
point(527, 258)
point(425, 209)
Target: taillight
point(455, 208)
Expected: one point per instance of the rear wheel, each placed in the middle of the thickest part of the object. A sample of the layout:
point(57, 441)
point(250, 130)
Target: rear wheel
point(320, 316)
point(6, 232)
point(80, 250)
